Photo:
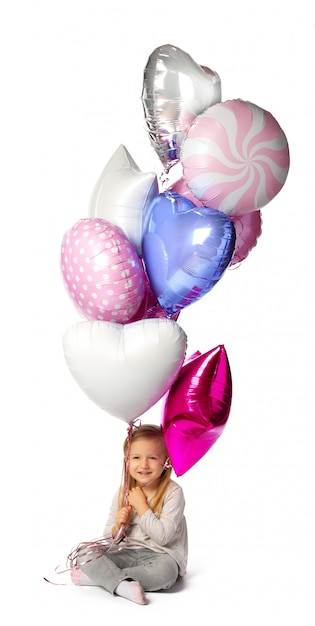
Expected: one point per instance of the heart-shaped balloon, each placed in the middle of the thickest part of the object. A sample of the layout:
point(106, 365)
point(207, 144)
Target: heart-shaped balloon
point(102, 271)
point(186, 249)
point(248, 230)
point(197, 407)
point(122, 193)
point(125, 369)
point(150, 306)
point(175, 90)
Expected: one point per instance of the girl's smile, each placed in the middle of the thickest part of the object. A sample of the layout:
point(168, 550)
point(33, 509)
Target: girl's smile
point(146, 461)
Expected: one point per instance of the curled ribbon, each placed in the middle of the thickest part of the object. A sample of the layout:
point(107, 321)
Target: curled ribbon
point(96, 548)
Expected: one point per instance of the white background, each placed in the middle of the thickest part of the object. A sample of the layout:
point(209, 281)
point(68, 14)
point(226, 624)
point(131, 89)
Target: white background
point(71, 81)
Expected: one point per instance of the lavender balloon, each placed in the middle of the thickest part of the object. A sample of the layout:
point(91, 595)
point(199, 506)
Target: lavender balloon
point(186, 249)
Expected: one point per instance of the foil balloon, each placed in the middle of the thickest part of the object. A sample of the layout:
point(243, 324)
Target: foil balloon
point(235, 157)
point(150, 307)
point(122, 193)
point(248, 229)
point(186, 250)
point(125, 369)
point(175, 90)
point(102, 271)
point(181, 187)
point(197, 408)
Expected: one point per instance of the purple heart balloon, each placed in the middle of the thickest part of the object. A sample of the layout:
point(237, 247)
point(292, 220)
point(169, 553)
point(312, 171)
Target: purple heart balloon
point(186, 249)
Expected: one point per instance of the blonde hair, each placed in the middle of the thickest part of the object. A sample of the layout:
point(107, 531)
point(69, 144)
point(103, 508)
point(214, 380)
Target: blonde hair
point(146, 431)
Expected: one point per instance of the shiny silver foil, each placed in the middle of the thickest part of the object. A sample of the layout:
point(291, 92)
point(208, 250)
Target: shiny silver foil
point(175, 90)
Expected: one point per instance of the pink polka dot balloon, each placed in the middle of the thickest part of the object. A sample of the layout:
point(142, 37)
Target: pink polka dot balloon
point(102, 271)
point(235, 157)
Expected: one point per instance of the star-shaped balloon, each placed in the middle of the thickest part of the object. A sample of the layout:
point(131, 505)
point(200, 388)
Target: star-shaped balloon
point(197, 407)
point(122, 193)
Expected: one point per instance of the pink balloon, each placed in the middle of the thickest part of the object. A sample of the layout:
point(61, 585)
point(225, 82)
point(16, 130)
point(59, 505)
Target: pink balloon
point(182, 188)
point(235, 157)
point(197, 407)
point(248, 230)
point(102, 271)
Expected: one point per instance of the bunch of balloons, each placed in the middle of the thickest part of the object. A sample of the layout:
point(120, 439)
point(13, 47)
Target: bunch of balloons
point(148, 249)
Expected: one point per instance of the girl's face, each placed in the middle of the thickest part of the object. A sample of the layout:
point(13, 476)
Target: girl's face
point(146, 461)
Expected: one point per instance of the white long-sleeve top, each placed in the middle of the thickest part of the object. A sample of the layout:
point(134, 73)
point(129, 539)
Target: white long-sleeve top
point(167, 533)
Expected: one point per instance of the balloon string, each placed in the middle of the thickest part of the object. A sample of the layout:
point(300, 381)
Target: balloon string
point(136, 423)
point(234, 266)
point(164, 179)
point(96, 548)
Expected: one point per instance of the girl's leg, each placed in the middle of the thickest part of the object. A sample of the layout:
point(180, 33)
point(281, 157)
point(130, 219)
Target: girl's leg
point(102, 571)
point(154, 571)
point(97, 570)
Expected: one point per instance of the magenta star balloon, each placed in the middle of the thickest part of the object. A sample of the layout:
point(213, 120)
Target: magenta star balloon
point(197, 407)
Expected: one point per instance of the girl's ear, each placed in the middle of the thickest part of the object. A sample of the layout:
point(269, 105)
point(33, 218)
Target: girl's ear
point(167, 464)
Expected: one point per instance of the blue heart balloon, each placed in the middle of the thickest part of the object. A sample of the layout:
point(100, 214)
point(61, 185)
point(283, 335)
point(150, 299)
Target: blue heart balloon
point(186, 249)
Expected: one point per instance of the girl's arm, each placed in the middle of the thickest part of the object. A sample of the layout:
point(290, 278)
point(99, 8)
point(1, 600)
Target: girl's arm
point(111, 522)
point(163, 529)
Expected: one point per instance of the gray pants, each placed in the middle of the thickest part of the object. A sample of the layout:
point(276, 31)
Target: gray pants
point(154, 571)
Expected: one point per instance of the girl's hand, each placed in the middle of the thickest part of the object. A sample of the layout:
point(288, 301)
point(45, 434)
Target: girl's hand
point(123, 515)
point(138, 500)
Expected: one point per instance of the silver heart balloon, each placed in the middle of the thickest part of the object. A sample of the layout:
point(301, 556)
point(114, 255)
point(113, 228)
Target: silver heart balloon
point(175, 90)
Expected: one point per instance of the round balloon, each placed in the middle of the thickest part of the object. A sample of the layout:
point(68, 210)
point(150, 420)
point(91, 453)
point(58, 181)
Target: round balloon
point(186, 250)
point(248, 229)
point(102, 271)
point(235, 157)
point(181, 187)
point(125, 368)
point(175, 90)
point(197, 407)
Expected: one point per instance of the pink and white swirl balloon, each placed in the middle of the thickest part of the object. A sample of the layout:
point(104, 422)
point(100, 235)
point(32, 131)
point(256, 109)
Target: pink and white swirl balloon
point(235, 157)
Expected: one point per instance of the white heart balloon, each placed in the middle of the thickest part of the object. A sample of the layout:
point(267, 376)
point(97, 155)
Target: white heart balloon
point(122, 193)
point(125, 368)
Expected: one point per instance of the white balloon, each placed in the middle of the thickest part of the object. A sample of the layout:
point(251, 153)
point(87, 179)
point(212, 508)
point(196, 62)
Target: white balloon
point(125, 368)
point(122, 193)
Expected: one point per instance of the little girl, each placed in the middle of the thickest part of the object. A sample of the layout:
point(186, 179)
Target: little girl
point(149, 547)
